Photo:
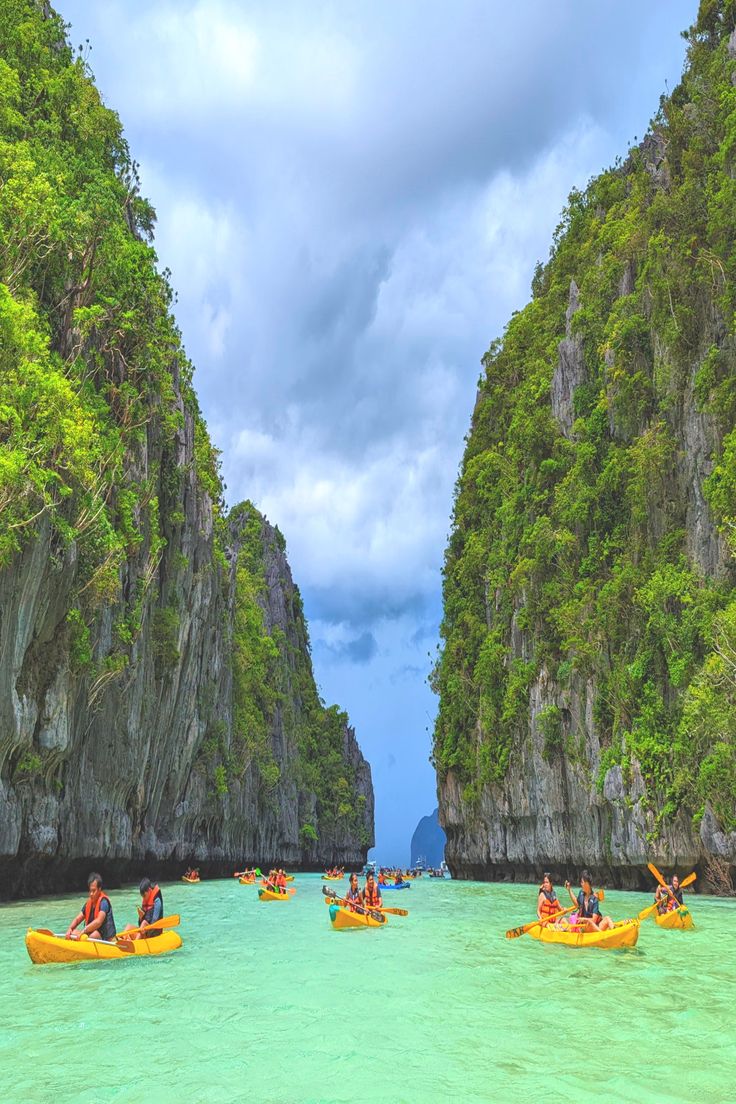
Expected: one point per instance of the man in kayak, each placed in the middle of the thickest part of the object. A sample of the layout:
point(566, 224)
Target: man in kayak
point(372, 895)
point(668, 898)
point(151, 909)
point(589, 911)
point(354, 897)
point(547, 902)
point(96, 914)
point(281, 881)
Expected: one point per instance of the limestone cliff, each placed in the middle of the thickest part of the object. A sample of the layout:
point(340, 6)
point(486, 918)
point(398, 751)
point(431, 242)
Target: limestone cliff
point(587, 693)
point(157, 702)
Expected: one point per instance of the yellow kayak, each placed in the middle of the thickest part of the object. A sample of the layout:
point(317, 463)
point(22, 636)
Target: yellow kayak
point(678, 918)
point(44, 948)
point(269, 895)
point(332, 878)
point(623, 934)
point(342, 918)
point(190, 881)
point(247, 881)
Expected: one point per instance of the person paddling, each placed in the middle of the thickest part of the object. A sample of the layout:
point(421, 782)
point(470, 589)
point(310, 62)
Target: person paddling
point(669, 898)
point(547, 902)
point(96, 914)
point(151, 909)
point(372, 898)
point(589, 911)
point(281, 881)
point(354, 897)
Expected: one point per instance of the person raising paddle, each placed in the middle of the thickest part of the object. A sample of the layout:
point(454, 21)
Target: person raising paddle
point(669, 897)
point(589, 911)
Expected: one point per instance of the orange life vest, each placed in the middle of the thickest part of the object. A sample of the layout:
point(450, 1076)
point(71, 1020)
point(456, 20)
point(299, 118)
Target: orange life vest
point(149, 898)
point(371, 896)
point(91, 911)
point(549, 906)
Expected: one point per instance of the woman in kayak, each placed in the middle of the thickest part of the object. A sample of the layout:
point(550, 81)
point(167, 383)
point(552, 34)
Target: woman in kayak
point(281, 881)
point(372, 895)
point(589, 911)
point(354, 897)
point(547, 902)
point(96, 914)
point(668, 898)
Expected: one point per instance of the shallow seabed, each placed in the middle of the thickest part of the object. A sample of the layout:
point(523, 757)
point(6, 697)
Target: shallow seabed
point(265, 1003)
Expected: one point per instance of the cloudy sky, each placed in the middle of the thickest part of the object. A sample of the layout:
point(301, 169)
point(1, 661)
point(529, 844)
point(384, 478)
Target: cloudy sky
point(351, 198)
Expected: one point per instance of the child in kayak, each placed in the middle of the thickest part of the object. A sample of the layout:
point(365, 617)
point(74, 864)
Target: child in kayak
point(589, 912)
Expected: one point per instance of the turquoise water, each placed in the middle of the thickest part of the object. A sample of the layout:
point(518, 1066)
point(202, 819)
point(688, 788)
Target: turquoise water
point(266, 1003)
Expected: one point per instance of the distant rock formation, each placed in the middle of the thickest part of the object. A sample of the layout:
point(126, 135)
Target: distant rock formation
point(428, 841)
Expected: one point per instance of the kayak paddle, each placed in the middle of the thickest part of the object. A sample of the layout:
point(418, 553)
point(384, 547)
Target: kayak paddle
point(166, 922)
point(389, 911)
point(374, 914)
point(514, 933)
point(685, 882)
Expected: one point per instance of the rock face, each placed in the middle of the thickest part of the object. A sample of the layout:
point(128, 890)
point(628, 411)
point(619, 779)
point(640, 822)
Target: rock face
point(118, 770)
point(587, 709)
point(157, 701)
point(428, 841)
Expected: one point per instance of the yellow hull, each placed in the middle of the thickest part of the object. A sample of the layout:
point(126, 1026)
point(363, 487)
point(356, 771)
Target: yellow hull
point(53, 948)
point(269, 895)
point(247, 881)
point(679, 918)
point(624, 934)
point(330, 878)
point(190, 881)
point(342, 918)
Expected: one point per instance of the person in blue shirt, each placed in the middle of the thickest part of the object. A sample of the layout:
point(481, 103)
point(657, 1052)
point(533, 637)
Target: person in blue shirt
point(589, 910)
point(151, 909)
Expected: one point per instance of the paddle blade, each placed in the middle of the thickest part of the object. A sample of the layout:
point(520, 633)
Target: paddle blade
point(647, 911)
point(653, 870)
point(126, 946)
point(328, 891)
point(689, 880)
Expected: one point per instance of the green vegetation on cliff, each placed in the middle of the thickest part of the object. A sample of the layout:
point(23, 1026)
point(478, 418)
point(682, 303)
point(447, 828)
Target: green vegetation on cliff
point(106, 461)
point(89, 350)
point(574, 548)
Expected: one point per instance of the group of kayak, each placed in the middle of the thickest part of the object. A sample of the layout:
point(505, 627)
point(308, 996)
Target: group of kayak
point(93, 932)
point(336, 874)
point(584, 925)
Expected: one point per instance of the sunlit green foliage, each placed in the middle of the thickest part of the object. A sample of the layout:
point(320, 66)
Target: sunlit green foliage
point(571, 554)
